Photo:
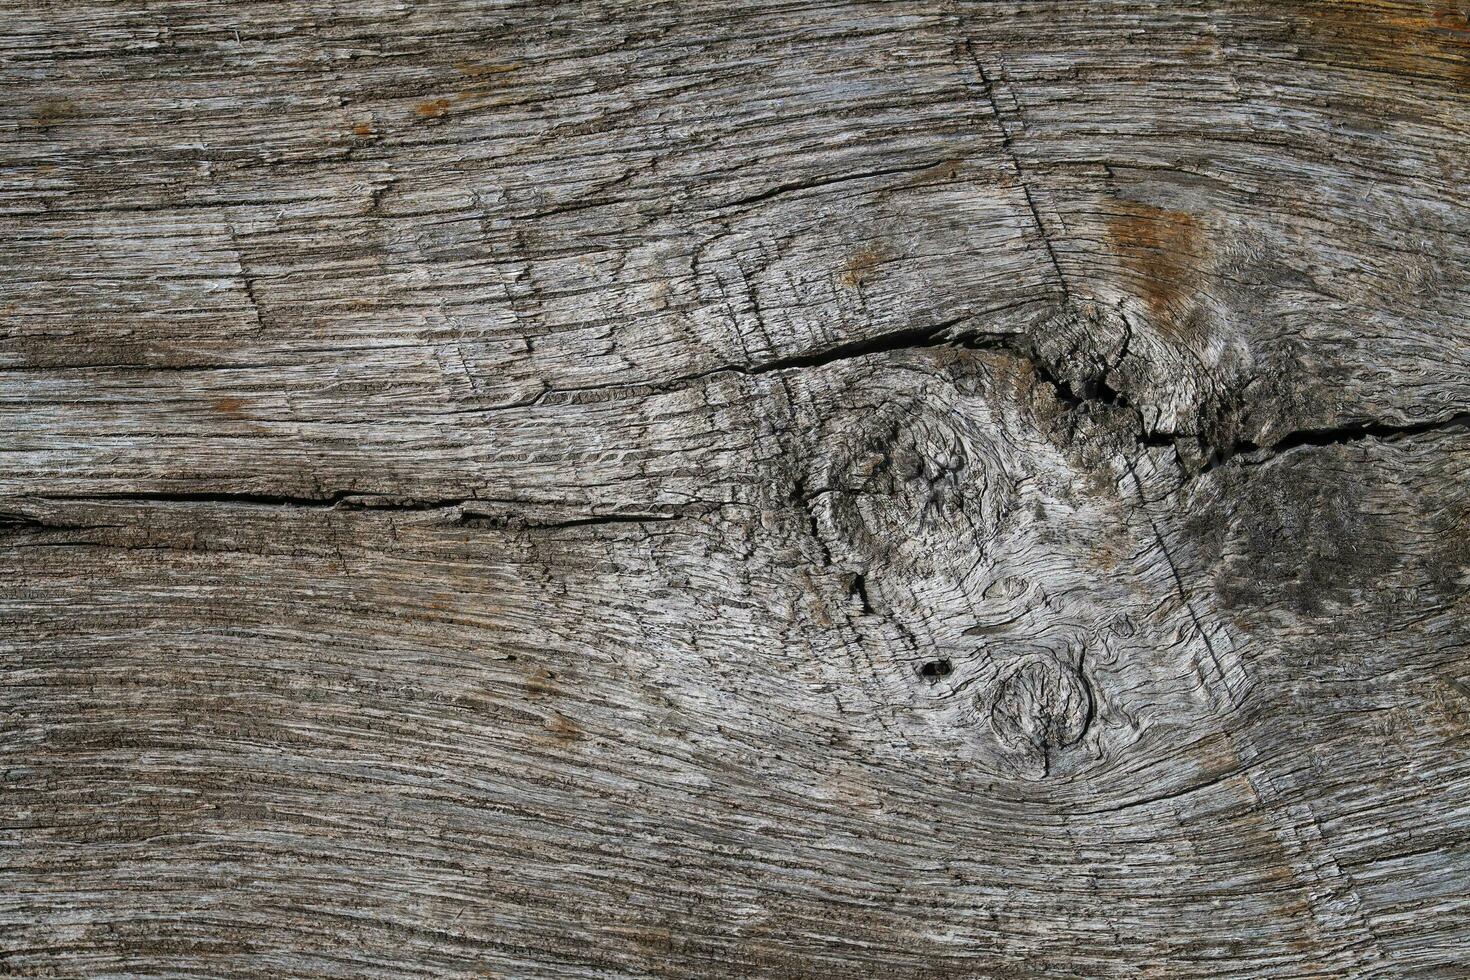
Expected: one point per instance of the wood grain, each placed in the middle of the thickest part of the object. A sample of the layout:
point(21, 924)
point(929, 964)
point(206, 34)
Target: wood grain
point(773, 489)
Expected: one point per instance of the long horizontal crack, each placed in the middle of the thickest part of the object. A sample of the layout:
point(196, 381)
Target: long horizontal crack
point(1089, 392)
point(317, 501)
point(934, 335)
point(1338, 435)
point(516, 521)
point(804, 185)
point(341, 501)
point(1075, 396)
point(914, 338)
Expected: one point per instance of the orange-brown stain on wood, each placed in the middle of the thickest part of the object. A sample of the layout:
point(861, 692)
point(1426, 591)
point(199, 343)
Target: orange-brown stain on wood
point(231, 406)
point(432, 109)
point(363, 129)
point(945, 170)
point(441, 609)
point(484, 81)
point(541, 683)
point(563, 729)
point(1453, 18)
point(1415, 40)
point(471, 70)
point(1161, 252)
point(1105, 554)
point(1233, 798)
point(861, 266)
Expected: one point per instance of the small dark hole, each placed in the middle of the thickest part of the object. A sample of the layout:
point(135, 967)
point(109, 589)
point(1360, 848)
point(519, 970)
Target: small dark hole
point(936, 668)
point(858, 589)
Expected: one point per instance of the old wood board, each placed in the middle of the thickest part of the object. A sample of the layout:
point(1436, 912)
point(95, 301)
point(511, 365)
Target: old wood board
point(748, 489)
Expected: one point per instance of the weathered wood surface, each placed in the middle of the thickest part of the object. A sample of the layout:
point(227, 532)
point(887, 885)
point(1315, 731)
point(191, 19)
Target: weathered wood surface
point(735, 489)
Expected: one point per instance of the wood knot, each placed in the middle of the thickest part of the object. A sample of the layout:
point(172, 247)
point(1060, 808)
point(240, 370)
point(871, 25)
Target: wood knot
point(910, 482)
point(1040, 707)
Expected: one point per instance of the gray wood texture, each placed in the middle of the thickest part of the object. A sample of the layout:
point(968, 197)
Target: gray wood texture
point(751, 489)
